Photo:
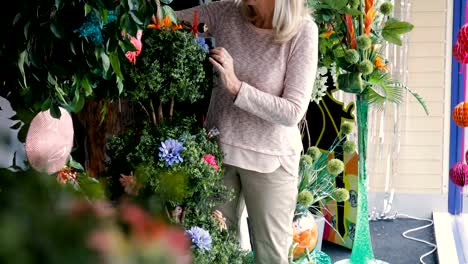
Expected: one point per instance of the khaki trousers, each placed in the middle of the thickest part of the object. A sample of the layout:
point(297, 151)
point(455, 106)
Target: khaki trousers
point(271, 200)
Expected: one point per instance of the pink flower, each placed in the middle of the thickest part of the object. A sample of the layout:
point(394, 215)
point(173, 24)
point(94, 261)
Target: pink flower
point(131, 186)
point(210, 159)
point(131, 55)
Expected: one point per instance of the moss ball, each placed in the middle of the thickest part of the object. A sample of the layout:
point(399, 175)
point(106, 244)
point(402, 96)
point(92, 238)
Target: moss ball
point(335, 167)
point(349, 146)
point(346, 128)
point(314, 152)
point(305, 198)
point(306, 160)
point(353, 3)
point(363, 42)
point(352, 56)
point(386, 8)
point(366, 67)
point(340, 195)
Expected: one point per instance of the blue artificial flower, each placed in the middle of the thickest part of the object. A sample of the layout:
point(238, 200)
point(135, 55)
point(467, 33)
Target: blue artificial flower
point(202, 43)
point(200, 237)
point(92, 29)
point(170, 151)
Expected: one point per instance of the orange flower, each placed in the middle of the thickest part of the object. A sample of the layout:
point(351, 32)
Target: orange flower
point(176, 26)
point(165, 23)
point(379, 64)
point(370, 15)
point(351, 33)
point(328, 33)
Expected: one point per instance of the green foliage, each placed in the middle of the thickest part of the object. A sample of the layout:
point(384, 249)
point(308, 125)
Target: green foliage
point(393, 28)
point(59, 53)
point(337, 35)
point(171, 65)
point(386, 8)
point(192, 184)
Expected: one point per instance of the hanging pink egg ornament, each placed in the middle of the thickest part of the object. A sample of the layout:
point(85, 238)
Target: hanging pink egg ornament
point(49, 141)
point(460, 48)
point(459, 174)
point(466, 157)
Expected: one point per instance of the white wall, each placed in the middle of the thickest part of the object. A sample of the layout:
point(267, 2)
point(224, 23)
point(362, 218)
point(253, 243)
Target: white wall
point(422, 159)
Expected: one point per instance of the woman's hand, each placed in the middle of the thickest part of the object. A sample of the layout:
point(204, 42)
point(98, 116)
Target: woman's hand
point(223, 62)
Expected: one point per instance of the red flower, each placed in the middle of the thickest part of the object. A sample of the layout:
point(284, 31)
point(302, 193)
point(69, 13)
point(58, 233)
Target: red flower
point(210, 159)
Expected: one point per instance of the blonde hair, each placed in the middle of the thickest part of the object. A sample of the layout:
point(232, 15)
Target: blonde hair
point(288, 17)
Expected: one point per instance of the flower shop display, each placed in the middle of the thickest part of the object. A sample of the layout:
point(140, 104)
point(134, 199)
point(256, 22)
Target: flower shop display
point(353, 34)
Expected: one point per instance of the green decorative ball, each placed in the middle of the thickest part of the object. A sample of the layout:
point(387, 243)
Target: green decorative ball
point(340, 195)
point(353, 3)
point(349, 146)
point(306, 160)
point(352, 56)
point(314, 152)
point(335, 167)
point(346, 128)
point(305, 198)
point(363, 42)
point(386, 8)
point(366, 67)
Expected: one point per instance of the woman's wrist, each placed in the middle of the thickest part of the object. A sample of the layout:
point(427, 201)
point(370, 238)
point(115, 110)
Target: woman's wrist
point(236, 87)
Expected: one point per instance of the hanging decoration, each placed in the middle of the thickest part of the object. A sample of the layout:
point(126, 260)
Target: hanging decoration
point(49, 141)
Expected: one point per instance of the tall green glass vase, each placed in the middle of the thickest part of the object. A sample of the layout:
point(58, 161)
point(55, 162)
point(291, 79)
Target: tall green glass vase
point(362, 246)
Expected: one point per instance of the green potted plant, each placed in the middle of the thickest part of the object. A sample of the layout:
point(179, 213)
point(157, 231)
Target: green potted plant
point(318, 170)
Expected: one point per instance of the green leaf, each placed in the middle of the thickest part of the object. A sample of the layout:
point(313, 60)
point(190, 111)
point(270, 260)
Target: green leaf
point(46, 104)
point(135, 18)
point(75, 165)
point(120, 85)
point(393, 28)
point(103, 113)
point(350, 82)
point(336, 4)
point(16, 126)
point(58, 3)
point(86, 85)
point(167, 2)
point(398, 27)
point(21, 61)
point(87, 9)
point(17, 18)
point(392, 38)
point(419, 98)
point(168, 11)
point(23, 132)
point(105, 61)
point(78, 102)
point(353, 11)
point(55, 111)
point(55, 31)
point(115, 63)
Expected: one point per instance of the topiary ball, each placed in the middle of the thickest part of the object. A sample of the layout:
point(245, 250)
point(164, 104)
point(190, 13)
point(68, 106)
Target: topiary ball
point(363, 42)
point(459, 173)
point(351, 56)
point(305, 198)
point(335, 167)
point(349, 146)
point(386, 8)
point(366, 67)
point(314, 152)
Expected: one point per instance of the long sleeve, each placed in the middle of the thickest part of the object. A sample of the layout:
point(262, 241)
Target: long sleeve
point(289, 108)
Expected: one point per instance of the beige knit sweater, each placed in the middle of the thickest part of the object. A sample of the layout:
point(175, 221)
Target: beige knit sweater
point(277, 81)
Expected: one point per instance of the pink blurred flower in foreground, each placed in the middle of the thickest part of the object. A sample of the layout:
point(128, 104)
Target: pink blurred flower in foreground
point(131, 186)
point(136, 41)
point(210, 159)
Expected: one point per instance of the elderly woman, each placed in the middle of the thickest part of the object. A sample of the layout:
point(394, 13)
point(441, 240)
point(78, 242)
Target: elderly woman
point(266, 56)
